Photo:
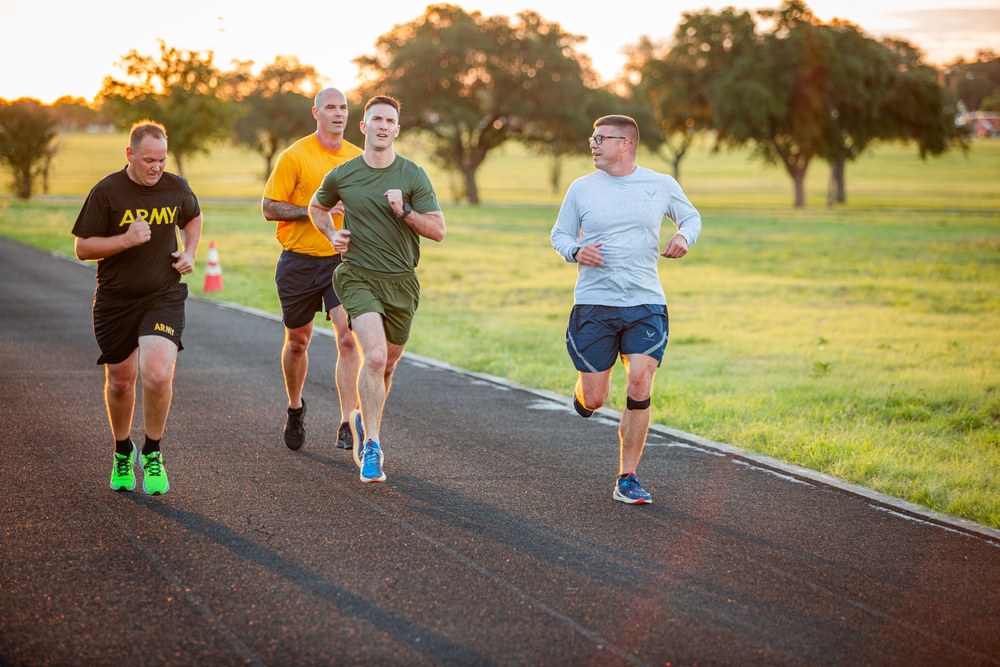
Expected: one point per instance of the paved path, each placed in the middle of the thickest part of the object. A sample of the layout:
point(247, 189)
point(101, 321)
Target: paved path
point(494, 541)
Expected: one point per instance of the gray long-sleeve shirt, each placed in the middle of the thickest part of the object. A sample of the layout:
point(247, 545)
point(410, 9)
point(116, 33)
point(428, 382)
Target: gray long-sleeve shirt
point(625, 214)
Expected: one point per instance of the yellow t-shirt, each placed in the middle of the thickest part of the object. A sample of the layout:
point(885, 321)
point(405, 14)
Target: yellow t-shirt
point(295, 178)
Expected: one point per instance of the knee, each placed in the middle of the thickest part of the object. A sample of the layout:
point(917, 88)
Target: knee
point(376, 360)
point(296, 342)
point(639, 387)
point(157, 377)
point(592, 399)
point(346, 343)
point(120, 384)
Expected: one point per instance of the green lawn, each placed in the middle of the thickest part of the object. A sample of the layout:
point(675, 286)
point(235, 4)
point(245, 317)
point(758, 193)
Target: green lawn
point(859, 341)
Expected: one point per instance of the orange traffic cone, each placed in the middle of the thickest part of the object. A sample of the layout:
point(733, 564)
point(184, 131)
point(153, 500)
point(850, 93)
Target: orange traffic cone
point(213, 272)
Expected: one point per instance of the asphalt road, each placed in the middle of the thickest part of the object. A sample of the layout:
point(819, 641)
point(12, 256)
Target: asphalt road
point(495, 540)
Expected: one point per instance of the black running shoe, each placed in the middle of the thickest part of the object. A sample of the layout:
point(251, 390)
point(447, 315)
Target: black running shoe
point(344, 438)
point(580, 410)
point(295, 428)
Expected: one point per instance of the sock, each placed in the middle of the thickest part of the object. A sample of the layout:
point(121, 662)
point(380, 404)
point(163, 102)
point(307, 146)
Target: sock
point(150, 446)
point(123, 447)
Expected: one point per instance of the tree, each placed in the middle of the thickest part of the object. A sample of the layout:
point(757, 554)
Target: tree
point(272, 107)
point(74, 113)
point(180, 91)
point(472, 83)
point(27, 133)
point(858, 113)
point(882, 91)
point(773, 98)
point(675, 81)
point(974, 82)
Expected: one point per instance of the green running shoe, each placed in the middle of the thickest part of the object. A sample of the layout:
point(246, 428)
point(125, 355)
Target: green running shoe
point(122, 474)
point(154, 475)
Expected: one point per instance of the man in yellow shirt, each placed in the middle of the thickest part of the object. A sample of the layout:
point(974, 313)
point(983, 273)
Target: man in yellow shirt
point(304, 273)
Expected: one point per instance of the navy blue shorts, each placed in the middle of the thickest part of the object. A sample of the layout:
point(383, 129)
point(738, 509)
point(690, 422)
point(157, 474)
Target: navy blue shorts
point(305, 284)
point(597, 335)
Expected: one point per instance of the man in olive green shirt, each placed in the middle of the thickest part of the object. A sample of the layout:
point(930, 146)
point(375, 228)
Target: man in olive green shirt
point(389, 203)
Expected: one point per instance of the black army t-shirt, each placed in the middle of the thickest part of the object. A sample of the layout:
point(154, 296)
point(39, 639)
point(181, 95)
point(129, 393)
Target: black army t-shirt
point(115, 203)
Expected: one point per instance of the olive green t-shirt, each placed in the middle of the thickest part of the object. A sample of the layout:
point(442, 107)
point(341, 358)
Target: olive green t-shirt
point(380, 241)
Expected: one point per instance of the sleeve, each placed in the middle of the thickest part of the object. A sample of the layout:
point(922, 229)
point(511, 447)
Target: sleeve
point(683, 213)
point(281, 183)
point(190, 209)
point(422, 196)
point(566, 232)
point(328, 193)
point(93, 217)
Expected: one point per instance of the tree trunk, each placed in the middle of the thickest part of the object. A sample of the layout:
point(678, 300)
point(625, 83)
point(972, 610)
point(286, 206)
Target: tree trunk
point(799, 177)
point(839, 171)
point(471, 190)
point(555, 173)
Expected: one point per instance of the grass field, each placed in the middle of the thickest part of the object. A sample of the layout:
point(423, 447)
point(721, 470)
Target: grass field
point(860, 341)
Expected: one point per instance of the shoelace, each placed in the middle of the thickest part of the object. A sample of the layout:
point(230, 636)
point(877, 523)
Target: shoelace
point(371, 455)
point(153, 466)
point(123, 465)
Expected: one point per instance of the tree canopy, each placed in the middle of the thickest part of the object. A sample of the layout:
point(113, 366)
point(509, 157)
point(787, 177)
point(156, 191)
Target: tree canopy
point(472, 82)
point(792, 89)
point(272, 107)
point(27, 136)
point(178, 90)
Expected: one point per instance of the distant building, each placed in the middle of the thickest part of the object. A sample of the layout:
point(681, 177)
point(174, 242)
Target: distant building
point(980, 124)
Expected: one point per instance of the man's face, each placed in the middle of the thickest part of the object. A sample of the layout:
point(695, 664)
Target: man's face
point(145, 165)
point(611, 151)
point(332, 114)
point(381, 126)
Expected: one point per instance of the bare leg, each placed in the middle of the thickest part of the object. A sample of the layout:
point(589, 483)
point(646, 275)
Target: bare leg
point(348, 363)
point(378, 361)
point(119, 394)
point(295, 362)
point(634, 424)
point(157, 359)
point(592, 389)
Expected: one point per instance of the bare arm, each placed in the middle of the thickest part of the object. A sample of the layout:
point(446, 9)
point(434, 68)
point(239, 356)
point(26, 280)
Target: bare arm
point(429, 225)
point(190, 237)
point(99, 247)
point(283, 211)
point(322, 217)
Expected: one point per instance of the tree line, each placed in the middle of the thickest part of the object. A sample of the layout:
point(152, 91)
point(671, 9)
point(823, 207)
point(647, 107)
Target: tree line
point(777, 81)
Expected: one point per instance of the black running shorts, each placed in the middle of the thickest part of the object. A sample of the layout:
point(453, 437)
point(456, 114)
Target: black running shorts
point(305, 284)
point(119, 322)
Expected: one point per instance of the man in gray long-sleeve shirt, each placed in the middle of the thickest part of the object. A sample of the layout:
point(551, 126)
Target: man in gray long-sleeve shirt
point(609, 224)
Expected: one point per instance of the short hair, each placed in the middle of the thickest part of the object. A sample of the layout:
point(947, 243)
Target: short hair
point(382, 99)
point(627, 123)
point(145, 128)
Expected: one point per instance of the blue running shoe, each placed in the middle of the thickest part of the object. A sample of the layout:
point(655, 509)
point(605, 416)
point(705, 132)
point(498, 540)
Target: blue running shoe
point(629, 490)
point(357, 436)
point(372, 471)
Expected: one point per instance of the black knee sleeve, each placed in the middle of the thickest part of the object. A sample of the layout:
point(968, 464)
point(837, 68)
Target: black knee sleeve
point(633, 404)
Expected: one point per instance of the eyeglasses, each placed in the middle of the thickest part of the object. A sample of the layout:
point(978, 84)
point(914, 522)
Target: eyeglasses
point(598, 139)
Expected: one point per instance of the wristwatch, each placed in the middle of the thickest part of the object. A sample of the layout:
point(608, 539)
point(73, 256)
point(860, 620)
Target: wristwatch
point(406, 211)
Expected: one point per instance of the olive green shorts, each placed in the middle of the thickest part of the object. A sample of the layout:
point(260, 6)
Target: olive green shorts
point(394, 296)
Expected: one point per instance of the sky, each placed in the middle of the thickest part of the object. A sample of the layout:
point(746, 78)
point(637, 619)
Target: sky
point(50, 52)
